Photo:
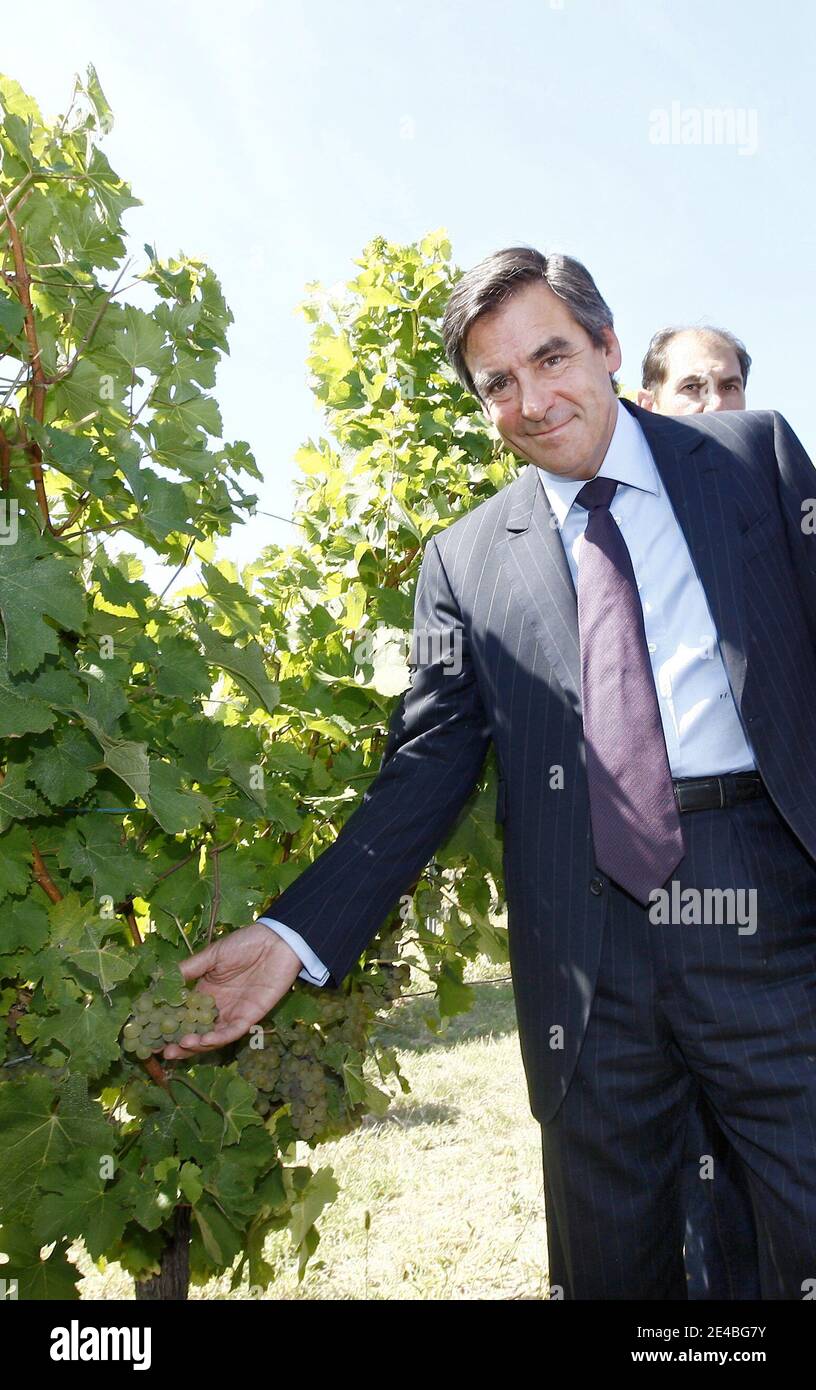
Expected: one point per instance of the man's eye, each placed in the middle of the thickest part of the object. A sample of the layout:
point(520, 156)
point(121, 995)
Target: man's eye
point(557, 357)
point(692, 386)
point(497, 385)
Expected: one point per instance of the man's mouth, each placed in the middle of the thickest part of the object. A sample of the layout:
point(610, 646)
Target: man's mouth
point(543, 434)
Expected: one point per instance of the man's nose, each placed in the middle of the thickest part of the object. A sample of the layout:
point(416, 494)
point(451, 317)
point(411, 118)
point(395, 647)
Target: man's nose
point(536, 399)
point(713, 401)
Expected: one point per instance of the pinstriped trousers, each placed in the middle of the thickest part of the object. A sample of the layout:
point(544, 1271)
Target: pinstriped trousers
point(720, 1239)
point(683, 1004)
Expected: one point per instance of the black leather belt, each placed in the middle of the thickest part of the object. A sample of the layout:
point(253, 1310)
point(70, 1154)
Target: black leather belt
point(711, 793)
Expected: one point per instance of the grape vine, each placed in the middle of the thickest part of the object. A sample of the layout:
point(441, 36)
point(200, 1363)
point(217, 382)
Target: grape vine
point(169, 764)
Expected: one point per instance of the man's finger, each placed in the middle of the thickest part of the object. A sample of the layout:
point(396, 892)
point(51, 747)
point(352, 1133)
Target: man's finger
point(193, 967)
point(192, 1043)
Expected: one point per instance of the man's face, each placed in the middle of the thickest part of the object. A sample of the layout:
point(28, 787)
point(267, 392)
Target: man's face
point(703, 374)
point(544, 383)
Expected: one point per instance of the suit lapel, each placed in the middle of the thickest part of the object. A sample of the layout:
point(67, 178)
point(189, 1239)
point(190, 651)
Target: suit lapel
point(536, 566)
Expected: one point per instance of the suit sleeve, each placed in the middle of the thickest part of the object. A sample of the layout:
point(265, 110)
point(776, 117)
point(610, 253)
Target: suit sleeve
point(437, 743)
point(797, 491)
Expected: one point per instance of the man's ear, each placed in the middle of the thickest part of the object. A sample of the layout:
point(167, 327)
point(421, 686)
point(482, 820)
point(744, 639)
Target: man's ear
point(646, 400)
point(612, 349)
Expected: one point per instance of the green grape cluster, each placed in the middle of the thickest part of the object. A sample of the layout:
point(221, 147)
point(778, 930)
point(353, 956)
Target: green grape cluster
point(154, 1023)
point(280, 1076)
point(261, 1067)
point(352, 1027)
point(289, 1068)
point(395, 977)
point(303, 1081)
point(392, 975)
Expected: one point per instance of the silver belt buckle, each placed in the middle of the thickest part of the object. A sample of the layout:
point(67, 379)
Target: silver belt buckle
point(721, 786)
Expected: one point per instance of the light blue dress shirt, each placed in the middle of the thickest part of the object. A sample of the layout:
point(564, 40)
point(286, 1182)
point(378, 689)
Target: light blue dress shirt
point(702, 728)
point(313, 968)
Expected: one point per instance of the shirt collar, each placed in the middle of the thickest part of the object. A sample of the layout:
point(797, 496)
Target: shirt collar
point(628, 459)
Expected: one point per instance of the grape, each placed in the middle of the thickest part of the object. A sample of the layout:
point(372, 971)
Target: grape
point(154, 1023)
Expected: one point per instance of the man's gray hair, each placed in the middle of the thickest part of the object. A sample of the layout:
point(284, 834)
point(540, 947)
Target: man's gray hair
point(655, 368)
point(494, 280)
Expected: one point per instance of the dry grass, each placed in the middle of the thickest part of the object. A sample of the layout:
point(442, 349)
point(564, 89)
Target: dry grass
point(450, 1176)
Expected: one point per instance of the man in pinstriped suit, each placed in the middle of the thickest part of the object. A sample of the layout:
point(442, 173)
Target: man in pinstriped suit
point(620, 1010)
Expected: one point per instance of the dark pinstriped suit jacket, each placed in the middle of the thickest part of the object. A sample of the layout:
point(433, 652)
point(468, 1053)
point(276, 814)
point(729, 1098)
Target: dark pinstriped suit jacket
point(498, 578)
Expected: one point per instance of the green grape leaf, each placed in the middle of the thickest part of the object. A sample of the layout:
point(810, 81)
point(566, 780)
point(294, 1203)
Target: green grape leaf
point(320, 1190)
point(140, 341)
point(182, 671)
point(129, 761)
point(231, 599)
point(21, 712)
point(24, 923)
point(90, 849)
point(15, 864)
point(89, 1033)
point(53, 1278)
point(61, 771)
point(69, 919)
point(18, 801)
point(41, 1124)
point(105, 961)
point(78, 1202)
point(219, 1238)
point(12, 315)
point(244, 664)
point(36, 585)
point(455, 997)
point(174, 807)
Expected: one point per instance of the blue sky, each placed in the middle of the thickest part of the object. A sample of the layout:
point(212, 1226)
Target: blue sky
point(276, 139)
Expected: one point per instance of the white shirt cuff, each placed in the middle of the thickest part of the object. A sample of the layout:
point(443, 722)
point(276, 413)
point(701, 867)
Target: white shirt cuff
point(314, 971)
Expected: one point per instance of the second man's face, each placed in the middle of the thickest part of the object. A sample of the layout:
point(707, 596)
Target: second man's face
point(703, 375)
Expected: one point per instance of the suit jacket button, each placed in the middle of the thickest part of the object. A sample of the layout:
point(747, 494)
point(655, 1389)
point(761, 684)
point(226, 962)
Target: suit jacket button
point(596, 886)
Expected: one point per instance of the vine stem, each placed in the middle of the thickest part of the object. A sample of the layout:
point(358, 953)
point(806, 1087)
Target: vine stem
point(202, 1095)
point(133, 924)
point(38, 378)
point(16, 193)
point(155, 1072)
point(187, 554)
point(78, 509)
point(216, 900)
point(42, 876)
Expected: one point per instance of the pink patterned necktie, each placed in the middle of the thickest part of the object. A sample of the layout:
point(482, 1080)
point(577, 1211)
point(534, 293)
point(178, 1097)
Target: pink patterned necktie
point(635, 822)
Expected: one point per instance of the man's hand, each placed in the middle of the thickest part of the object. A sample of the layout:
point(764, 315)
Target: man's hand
point(247, 973)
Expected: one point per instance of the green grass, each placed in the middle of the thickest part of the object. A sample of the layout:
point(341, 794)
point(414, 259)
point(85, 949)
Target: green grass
point(450, 1176)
